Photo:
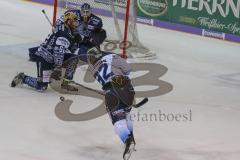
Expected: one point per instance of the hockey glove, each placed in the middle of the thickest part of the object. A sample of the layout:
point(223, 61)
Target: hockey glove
point(77, 38)
point(120, 81)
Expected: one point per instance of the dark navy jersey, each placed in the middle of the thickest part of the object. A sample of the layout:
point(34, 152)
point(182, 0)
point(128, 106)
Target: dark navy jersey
point(93, 24)
point(56, 45)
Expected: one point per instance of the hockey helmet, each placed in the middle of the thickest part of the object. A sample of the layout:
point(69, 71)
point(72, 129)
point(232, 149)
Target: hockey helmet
point(71, 19)
point(86, 11)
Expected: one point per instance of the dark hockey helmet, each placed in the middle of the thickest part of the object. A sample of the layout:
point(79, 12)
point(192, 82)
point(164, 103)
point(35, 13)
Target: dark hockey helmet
point(94, 54)
point(71, 19)
point(86, 11)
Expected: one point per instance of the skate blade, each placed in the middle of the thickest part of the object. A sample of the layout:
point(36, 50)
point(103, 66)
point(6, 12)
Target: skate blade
point(129, 153)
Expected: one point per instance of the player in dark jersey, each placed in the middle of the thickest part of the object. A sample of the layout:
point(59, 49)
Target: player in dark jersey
point(90, 28)
point(51, 54)
point(89, 33)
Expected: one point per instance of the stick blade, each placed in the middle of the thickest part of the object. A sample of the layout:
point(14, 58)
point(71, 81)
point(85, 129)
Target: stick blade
point(145, 100)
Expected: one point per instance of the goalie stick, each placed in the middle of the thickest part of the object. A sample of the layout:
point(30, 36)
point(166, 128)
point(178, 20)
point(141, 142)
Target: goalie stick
point(137, 105)
point(47, 18)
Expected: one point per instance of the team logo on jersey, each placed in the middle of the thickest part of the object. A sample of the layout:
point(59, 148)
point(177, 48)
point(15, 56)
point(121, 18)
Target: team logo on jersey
point(153, 8)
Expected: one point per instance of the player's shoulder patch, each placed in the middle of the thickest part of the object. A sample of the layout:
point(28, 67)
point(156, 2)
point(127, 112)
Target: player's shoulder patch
point(62, 41)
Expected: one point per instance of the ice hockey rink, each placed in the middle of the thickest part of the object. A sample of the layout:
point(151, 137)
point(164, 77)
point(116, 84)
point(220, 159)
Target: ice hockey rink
point(204, 72)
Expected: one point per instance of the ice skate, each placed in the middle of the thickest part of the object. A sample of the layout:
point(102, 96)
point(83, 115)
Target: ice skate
point(17, 79)
point(129, 147)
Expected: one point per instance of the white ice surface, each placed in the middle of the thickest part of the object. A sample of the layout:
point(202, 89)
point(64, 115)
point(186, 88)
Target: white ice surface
point(205, 74)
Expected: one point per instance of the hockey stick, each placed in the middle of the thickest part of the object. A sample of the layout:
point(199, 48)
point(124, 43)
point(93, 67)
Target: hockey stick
point(88, 88)
point(47, 18)
point(137, 105)
point(141, 103)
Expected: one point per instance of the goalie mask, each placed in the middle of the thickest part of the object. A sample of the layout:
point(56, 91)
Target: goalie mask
point(71, 19)
point(86, 11)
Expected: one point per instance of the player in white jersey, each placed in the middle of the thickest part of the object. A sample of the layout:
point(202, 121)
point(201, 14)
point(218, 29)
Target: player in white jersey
point(112, 72)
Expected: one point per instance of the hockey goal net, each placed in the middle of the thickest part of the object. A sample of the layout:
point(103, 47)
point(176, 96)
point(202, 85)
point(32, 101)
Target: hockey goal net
point(119, 21)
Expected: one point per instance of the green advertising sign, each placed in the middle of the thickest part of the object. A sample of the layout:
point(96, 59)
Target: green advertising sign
point(156, 9)
point(218, 15)
point(153, 8)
